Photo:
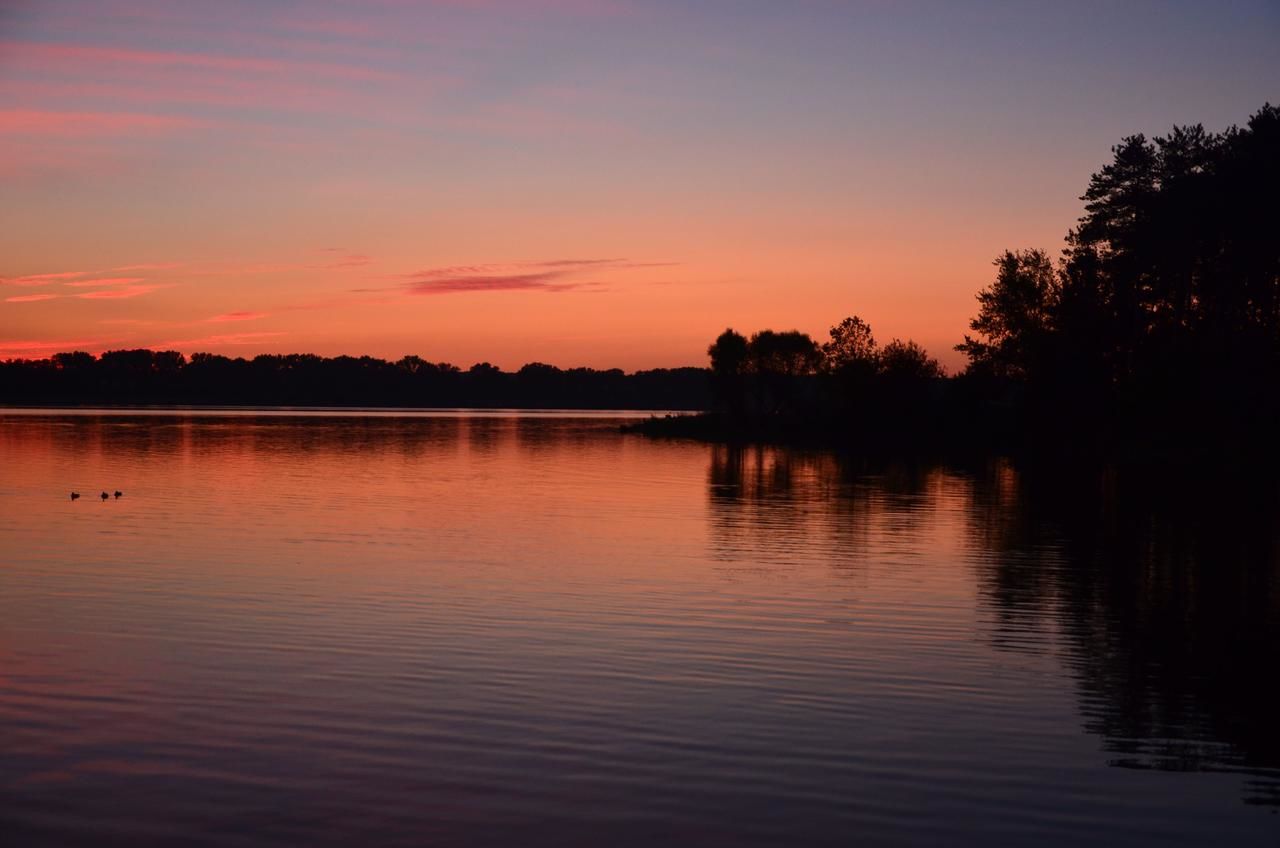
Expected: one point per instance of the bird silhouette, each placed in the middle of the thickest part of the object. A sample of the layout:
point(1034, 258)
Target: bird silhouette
point(119, 493)
point(105, 496)
point(75, 495)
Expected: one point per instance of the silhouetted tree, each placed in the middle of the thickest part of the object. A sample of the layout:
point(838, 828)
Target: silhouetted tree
point(908, 361)
point(728, 354)
point(778, 363)
point(851, 347)
point(75, 361)
point(1015, 314)
point(780, 384)
point(788, 354)
point(484, 369)
point(1164, 315)
point(411, 364)
point(75, 370)
point(849, 362)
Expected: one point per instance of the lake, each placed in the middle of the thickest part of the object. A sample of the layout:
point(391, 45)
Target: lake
point(506, 629)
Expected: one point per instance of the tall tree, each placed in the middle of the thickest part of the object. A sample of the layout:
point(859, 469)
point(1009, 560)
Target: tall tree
point(728, 353)
point(908, 362)
point(852, 346)
point(1014, 315)
point(780, 364)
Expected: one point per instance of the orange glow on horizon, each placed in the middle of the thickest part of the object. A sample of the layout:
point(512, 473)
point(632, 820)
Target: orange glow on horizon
point(516, 182)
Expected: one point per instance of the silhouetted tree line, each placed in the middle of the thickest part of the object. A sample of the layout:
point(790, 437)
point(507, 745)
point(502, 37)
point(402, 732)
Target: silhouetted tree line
point(167, 377)
point(1162, 315)
point(786, 384)
point(1159, 323)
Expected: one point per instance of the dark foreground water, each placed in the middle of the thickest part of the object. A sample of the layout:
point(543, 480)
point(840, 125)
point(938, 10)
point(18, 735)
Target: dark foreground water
point(538, 631)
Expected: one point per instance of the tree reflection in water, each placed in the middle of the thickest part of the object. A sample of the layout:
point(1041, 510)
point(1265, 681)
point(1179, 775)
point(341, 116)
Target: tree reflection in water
point(1160, 594)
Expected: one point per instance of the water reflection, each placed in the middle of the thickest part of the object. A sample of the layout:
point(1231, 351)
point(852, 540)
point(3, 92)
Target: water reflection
point(1159, 594)
point(501, 629)
point(1164, 593)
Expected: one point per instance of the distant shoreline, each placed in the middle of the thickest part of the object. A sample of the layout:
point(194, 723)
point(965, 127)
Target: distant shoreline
point(343, 411)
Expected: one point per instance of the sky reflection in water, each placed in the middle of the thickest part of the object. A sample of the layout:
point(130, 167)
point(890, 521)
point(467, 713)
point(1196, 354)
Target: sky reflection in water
point(346, 630)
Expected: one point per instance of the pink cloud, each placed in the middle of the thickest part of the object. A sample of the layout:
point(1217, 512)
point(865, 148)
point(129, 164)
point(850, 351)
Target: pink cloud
point(452, 270)
point(499, 267)
point(32, 122)
point(29, 298)
point(94, 59)
point(42, 279)
point(105, 281)
point(119, 293)
point(545, 275)
point(222, 339)
point(15, 348)
point(543, 281)
point(149, 266)
point(572, 263)
point(236, 316)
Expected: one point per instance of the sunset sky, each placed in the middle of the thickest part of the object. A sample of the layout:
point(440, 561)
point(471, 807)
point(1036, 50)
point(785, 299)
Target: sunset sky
point(580, 182)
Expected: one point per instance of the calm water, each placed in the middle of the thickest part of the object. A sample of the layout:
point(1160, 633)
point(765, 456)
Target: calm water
point(500, 630)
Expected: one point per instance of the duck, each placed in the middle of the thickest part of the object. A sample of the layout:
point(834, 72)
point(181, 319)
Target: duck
point(75, 495)
point(105, 496)
point(118, 493)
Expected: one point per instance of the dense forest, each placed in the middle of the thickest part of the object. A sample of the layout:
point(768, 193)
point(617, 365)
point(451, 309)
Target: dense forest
point(145, 377)
point(1159, 323)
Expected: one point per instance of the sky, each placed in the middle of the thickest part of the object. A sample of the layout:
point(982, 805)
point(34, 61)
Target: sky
point(607, 183)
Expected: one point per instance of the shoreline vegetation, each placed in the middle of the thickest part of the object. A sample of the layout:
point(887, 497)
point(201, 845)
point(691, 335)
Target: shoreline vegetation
point(167, 378)
point(1155, 332)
